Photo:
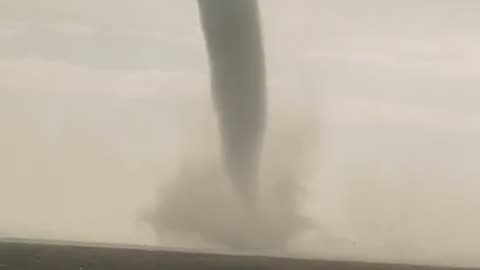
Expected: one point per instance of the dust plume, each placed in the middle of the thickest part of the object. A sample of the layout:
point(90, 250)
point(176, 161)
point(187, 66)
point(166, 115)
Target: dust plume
point(199, 202)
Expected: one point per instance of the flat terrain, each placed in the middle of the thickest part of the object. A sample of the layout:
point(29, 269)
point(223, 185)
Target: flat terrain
point(26, 255)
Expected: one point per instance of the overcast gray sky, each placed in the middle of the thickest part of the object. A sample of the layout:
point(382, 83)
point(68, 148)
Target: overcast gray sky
point(85, 85)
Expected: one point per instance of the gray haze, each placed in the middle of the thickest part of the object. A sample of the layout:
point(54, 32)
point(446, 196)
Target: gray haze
point(373, 108)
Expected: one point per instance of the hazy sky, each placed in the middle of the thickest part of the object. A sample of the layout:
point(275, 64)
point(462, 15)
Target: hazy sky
point(96, 98)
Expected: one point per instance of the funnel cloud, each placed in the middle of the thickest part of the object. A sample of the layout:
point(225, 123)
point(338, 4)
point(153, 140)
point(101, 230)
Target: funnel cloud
point(234, 42)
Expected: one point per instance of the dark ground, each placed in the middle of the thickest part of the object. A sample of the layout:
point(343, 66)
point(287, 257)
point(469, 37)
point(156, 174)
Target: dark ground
point(26, 255)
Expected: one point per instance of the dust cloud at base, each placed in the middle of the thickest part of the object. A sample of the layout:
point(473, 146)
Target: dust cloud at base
point(201, 202)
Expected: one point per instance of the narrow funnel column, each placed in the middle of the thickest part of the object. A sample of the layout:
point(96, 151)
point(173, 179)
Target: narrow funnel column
point(234, 42)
